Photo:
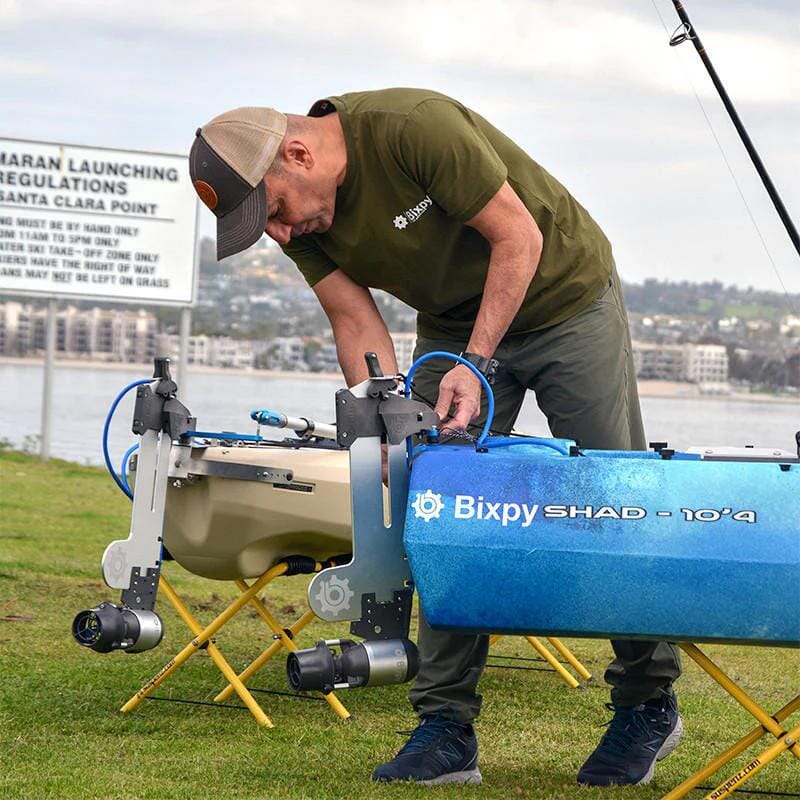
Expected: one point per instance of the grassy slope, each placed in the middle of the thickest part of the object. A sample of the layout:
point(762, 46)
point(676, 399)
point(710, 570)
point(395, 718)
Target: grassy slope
point(61, 735)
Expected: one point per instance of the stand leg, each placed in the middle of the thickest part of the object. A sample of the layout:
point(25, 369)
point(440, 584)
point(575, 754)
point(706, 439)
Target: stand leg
point(553, 662)
point(283, 641)
point(268, 654)
point(201, 637)
point(735, 782)
point(746, 741)
point(569, 656)
point(563, 650)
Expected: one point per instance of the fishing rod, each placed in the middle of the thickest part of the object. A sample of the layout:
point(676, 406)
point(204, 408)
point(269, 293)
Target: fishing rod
point(686, 31)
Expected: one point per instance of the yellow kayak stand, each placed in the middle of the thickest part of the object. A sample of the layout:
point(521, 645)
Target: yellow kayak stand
point(284, 640)
point(786, 739)
point(204, 637)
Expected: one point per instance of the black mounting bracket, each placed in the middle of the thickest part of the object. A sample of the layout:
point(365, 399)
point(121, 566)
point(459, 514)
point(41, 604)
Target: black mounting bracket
point(141, 594)
point(381, 412)
point(157, 407)
point(389, 619)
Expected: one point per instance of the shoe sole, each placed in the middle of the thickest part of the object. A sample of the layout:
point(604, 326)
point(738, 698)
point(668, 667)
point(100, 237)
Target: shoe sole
point(670, 743)
point(471, 777)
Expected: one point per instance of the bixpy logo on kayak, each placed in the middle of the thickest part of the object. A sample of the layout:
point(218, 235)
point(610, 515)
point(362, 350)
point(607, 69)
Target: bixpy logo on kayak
point(428, 505)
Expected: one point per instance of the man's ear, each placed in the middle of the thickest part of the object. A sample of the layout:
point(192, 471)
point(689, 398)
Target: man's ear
point(297, 154)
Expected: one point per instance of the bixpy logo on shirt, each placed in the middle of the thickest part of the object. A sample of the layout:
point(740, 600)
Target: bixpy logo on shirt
point(405, 218)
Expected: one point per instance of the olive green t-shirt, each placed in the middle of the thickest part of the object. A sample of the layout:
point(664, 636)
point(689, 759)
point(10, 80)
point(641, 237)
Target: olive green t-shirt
point(419, 165)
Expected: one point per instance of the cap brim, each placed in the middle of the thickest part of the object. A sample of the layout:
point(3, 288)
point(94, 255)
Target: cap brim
point(242, 227)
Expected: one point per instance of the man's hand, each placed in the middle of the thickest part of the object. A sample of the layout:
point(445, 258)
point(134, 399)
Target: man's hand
point(460, 388)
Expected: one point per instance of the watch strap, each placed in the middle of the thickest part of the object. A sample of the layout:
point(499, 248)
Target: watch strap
point(485, 365)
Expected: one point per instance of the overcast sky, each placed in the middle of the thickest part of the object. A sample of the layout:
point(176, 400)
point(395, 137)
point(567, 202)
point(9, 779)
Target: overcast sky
point(588, 87)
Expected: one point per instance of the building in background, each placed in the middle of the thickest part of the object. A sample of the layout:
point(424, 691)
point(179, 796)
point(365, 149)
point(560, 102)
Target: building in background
point(211, 351)
point(321, 355)
point(285, 353)
point(703, 364)
point(92, 334)
point(659, 362)
point(404, 344)
point(707, 366)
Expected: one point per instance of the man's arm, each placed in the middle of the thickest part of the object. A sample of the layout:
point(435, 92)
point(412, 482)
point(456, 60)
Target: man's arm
point(516, 247)
point(357, 326)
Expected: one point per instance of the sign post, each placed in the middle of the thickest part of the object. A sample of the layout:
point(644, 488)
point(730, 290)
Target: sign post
point(183, 349)
point(96, 223)
point(47, 388)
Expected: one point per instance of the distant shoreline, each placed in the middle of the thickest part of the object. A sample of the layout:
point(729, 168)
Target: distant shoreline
point(647, 388)
point(689, 391)
point(194, 369)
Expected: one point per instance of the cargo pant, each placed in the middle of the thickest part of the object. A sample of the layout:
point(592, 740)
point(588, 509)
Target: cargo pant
point(582, 373)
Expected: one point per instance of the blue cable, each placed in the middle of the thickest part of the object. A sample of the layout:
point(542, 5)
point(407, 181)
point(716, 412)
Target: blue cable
point(494, 442)
point(531, 440)
point(481, 376)
point(107, 458)
point(123, 472)
point(483, 440)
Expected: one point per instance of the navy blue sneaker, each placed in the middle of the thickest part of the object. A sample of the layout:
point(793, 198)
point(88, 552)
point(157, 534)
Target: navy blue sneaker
point(637, 737)
point(438, 751)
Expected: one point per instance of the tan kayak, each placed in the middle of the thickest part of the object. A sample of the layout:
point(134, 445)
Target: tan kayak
point(237, 513)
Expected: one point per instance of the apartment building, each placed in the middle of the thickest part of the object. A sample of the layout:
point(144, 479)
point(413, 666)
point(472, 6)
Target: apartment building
point(99, 334)
point(211, 351)
point(404, 344)
point(659, 362)
point(706, 364)
point(703, 364)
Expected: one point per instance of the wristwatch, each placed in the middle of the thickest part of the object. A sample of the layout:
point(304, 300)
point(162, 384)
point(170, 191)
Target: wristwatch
point(486, 366)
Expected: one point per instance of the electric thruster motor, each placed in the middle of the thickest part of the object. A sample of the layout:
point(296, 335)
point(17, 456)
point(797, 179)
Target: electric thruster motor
point(110, 627)
point(376, 662)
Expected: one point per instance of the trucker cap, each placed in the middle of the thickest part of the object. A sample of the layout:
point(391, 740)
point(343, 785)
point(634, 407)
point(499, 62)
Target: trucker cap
point(228, 160)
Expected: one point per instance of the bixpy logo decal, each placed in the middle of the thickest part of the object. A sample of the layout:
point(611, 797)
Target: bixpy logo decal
point(428, 505)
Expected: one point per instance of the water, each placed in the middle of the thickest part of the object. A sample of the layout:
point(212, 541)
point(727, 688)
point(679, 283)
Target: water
point(223, 401)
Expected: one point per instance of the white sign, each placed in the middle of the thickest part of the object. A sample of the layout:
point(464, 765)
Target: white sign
point(95, 222)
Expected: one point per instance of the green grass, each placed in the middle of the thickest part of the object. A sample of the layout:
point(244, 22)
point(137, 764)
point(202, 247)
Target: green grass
point(61, 735)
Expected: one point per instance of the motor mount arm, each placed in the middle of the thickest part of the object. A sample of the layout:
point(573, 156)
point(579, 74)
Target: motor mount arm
point(374, 590)
point(133, 565)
